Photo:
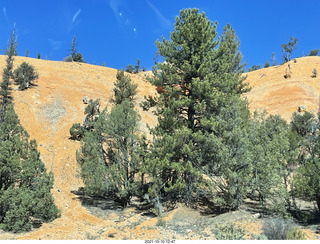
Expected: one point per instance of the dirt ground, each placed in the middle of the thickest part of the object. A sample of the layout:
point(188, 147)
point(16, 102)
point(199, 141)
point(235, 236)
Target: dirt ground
point(48, 110)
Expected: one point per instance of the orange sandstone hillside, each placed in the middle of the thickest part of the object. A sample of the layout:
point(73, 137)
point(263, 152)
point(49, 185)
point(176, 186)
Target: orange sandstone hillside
point(48, 110)
point(278, 95)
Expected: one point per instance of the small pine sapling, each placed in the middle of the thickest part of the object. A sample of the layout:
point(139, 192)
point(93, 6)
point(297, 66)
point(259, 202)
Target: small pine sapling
point(314, 73)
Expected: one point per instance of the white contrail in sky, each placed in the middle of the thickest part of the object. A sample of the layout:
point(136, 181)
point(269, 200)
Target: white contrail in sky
point(4, 10)
point(76, 15)
point(164, 22)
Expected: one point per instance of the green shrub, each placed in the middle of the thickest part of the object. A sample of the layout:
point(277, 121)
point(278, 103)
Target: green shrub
point(77, 131)
point(16, 203)
point(129, 68)
point(161, 222)
point(68, 59)
point(314, 52)
point(314, 73)
point(254, 67)
point(25, 75)
point(277, 228)
point(259, 237)
point(296, 234)
point(78, 58)
point(228, 231)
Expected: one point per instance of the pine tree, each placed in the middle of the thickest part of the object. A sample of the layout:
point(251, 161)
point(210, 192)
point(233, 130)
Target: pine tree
point(5, 91)
point(123, 88)
point(122, 142)
point(25, 76)
point(267, 64)
point(306, 184)
point(24, 183)
point(274, 59)
point(199, 77)
point(271, 152)
point(74, 56)
point(137, 67)
point(74, 50)
point(288, 48)
point(109, 155)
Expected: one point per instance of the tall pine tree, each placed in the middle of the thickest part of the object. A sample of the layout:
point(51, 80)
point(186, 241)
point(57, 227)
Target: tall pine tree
point(24, 183)
point(199, 76)
point(109, 156)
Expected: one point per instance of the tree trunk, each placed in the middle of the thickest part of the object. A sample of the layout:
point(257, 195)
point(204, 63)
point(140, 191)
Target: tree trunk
point(318, 202)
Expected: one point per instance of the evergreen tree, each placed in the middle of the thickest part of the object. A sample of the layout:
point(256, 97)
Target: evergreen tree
point(271, 152)
point(199, 77)
point(25, 75)
point(12, 45)
point(314, 52)
point(288, 48)
point(267, 64)
point(123, 89)
point(109, 155)
point(24, 183)
point(306, 180)
point(254, 67)
point(75, 56)
point(92, 112)
point(129, 68)
point(274, 59)
point(137, 67)
point(74, 50)
point(5, 92)
point(122, 156)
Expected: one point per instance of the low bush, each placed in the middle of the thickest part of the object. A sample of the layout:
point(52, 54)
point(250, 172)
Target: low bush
point(296, 234)
point(68, 59)
point(77, 131)
point(277, 228)
point(228, 231)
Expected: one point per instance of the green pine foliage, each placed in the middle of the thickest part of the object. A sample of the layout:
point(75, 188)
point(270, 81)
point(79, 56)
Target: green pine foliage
point(123, 89)
point(271, 152)
point(129, 68)
point(206, 142)
point(74, 55)
point(200, 76)
point(25, 75)
point(254, 67)
point(314, 52)
point(307, 181)
point(109, 155)
point(137, 67)
point(24, 183)
point(77, 132)
point(314, 73)
point(5, 91)
point(267, 64)
point(287, 49)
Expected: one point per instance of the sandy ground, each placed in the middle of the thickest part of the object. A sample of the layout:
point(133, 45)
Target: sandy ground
point(48, 110)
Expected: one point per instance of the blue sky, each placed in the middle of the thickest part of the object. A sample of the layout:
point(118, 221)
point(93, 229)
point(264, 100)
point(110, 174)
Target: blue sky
point(117, 32)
